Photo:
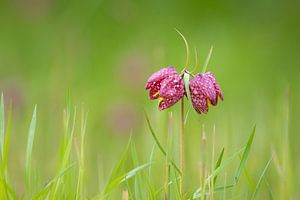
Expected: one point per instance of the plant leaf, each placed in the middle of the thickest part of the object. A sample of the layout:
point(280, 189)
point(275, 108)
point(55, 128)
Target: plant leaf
point(47, 188)
point(255, 194)
point(216, 172)
point(30, 140)
point(245, 155)
point(126, 176)
point(219, 161)
point(158, 143)
point(186, 80)
point(2, 124)
point(118, 167)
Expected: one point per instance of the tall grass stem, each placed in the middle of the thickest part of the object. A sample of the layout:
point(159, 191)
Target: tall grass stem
point(182, 147)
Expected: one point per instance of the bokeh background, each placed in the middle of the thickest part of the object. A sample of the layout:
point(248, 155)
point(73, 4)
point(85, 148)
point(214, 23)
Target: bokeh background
point(103, 51)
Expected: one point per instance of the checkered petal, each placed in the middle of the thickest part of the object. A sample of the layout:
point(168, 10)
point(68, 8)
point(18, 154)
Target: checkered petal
point(204, 90)
point(216, 85)
point(154, 81)
point(172, 90)
point(167, 85)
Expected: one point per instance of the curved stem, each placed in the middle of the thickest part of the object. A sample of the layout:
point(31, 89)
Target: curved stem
point(187, 63)
point(182, 147)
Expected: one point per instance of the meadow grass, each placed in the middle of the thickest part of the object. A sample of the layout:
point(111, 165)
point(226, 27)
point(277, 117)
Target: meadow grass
point(221, 175)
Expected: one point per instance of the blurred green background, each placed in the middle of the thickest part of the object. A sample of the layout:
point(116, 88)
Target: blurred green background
point(104, 51)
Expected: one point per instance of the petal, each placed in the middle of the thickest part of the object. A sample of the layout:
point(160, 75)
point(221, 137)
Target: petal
point(204, 90)
point(216, 85)
point(172, 90)
point(154, 90)
point(209, 90)
point(155, 79)
point(165, 103)
point(172, 86)
point(159, 75)
point(199, 103)
point(198, 94)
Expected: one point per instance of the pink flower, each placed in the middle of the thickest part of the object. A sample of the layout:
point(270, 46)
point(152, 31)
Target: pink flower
point(167, 86)
point(204, 90)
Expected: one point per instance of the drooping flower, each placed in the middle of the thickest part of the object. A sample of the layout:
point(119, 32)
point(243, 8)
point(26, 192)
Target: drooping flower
point(167, 86)
point(204, 90)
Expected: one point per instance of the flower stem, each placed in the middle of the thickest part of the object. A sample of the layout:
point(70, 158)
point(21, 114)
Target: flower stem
point(182, 147)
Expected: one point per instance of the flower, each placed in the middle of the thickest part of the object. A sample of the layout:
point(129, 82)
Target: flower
point(167, 86)
point(204, 90)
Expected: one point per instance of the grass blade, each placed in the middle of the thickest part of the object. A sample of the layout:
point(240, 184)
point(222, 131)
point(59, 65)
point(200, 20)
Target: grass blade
point(2, 124)
point(224, 165)
point(158, 143)
point(80, 181)
point(30, 140)
point(151, 194)
point(245, 155)
point(219, 161)
point(255, 194)
point(271, 195)
point(7, 139)
point(170, 183)
point(65, 150)
point(198, 193)
point(150, 161)
point(117, 168)
point(207, 59)
point(248, 178)
point(47, 187)
point(137, 179)
point(126, 176)
point(9, 193)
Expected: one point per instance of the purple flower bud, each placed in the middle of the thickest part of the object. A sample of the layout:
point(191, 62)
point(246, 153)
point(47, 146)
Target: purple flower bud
point(167, 85)
point(204, 90)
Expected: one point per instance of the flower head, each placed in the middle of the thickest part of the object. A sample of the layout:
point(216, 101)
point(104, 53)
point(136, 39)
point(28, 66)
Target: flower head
point(204, 90)
point(167, 86)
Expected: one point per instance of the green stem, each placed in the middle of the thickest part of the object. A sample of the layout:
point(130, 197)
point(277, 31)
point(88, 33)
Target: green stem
point(182, 147)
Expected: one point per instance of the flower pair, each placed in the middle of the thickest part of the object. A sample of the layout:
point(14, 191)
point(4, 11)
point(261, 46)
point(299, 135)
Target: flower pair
point(168, 86)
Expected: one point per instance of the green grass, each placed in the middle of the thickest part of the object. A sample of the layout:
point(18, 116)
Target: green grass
point(28, 164)
point(155, 176)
